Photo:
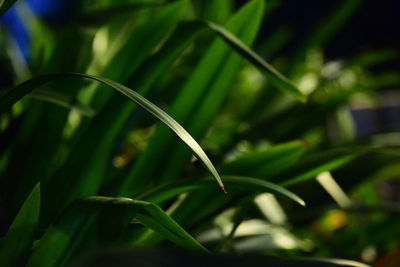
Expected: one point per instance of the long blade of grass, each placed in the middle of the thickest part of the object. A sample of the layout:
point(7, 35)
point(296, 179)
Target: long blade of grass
point(170, 122)
point(310, 169)
point(20, 236)
point(273, 75)
point(28, 86)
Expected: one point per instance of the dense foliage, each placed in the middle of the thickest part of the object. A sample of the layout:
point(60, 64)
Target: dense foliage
point(86, 163)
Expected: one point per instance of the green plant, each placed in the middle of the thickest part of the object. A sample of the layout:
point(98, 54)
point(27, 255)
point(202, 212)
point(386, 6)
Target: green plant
point(87, 168)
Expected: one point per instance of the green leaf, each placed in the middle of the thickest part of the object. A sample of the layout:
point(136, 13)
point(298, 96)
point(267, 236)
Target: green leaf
point(265, 162)
point(232, 183)
point(5, 5)
point(103, 219)
point(26, 87)
point(18, 241)
point(196, 105)
point(159, 221)
point(311, 168)
point(273, 75)
point(171, 123)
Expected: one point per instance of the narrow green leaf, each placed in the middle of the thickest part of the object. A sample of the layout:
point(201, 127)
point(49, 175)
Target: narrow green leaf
point(232, 183)
point(26, 87)
point(19, 238)
point(5, 5)
point(315, 167)
point(170, 122)
point(273, 75)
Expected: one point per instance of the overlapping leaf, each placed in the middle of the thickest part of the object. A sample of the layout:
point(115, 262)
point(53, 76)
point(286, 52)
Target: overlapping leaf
point(104, 219)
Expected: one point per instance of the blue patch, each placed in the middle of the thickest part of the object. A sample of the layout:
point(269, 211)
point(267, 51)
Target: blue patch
point(17, 29)
point(52, 11)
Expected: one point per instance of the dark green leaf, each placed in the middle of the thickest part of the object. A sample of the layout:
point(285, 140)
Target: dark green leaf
point(276, 78)
point(18, 241)
point(104, 219)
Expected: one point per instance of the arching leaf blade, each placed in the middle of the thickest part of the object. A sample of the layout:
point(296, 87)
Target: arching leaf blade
point(273, 75)
point(232, 183)
point(26, 87)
